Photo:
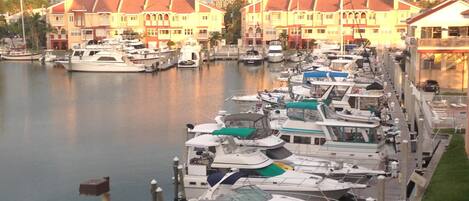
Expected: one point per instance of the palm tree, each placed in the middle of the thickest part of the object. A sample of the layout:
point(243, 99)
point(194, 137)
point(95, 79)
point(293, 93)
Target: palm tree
point(214, 38)
point(283, 37)
point(36, 30)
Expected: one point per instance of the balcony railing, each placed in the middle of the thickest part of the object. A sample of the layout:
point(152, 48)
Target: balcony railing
point(448, 43)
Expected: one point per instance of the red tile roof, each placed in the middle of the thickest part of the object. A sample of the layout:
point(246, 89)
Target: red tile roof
point(328, 5)
point(273, 5)
point(466, 12)
point(204, 9)
point(132, 6)
point(256, 6)
point(110, 6)
point(302, 4)
point(381, 5)
point(183, 6)
point(82, 5)
point(58, 8)
point(431, 11)
point(403, 6)
point(158, 5)
point(355, 4)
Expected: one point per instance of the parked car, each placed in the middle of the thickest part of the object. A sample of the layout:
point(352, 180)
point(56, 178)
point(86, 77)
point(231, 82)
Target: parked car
point(431, 86)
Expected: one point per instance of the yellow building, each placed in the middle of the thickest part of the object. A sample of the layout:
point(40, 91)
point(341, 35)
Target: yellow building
point(158, 21)
point(382, 22)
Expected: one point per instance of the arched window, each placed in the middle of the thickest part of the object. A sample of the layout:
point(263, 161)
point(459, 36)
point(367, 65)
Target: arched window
point(344, 15)
point(250, 30)
point(166, 17)
point(153, 17)
point(147, 17)
point(258, 30)
point(160, 17)
point(63, 31)
point(363, 16)
point(350, 16)
point(356, 15)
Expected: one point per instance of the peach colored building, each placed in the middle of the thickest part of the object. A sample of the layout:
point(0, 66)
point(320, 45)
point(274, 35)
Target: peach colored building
point(380, 21)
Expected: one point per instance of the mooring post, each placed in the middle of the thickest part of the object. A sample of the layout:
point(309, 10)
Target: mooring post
point(159, 194)
point(176, 178)
point(181, 183)
point(420, 138)
point(381, 184)
point(404, 165)
point(153, 187)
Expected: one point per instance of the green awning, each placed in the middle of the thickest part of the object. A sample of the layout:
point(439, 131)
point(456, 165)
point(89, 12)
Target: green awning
point(270, 171)
point(237, 132)
point(311, 105)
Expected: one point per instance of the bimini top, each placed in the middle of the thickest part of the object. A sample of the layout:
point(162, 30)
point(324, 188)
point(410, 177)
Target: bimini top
point(307, 104)
point(204, 141)
point(270, 171)
point(319, 74)
point(244, 117)
point(236, 132)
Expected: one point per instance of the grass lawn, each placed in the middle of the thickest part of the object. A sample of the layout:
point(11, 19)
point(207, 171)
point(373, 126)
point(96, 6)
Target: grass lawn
point(451, 179)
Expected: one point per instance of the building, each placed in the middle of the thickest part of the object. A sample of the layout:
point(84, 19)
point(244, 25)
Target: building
point(222, 3)
point(176, 20)
point(57, 39)
point(382, 22)
point(438, 43)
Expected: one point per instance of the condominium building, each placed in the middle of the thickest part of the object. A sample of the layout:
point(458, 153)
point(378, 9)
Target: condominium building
point(157, 21)
point(382, 22)
point(58, 38)
point(438, 46)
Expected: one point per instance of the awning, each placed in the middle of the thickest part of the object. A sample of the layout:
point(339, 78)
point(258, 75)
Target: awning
point(270, 171)
point(319, 74)
point(237, 132)
point(311, 105)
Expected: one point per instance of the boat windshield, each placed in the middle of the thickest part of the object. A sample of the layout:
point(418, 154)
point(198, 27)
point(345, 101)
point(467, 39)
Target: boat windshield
point(278, 153)
point(275, 51)
point(338, 92)
point(261, 125)
point(353, 134)
point(364, 103)
point(244, 193)
point(303, 114)
point(318, 91)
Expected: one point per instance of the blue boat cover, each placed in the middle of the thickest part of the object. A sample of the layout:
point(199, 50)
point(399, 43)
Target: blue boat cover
point(317, 74)
point(217, 176)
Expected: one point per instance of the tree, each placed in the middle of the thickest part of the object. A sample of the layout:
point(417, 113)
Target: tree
point(13, 6)
point(232, 21)
point(429, 4)
point(283, 37)
point(170, 44)
point(214, 38)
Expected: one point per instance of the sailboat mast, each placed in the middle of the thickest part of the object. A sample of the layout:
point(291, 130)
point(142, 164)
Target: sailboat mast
point(341, 27)
point(22, 22)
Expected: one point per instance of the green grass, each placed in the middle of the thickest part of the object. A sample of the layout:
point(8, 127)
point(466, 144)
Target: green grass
point(449, 131)
point(450, 181)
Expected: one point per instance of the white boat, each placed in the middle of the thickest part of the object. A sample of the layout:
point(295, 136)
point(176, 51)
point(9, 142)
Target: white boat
point(21, 55)
point(49, 56)
point(264, 138)
point(275, 52)
point(104, 62)
point(252, 57)
point(296, 57)
point(209, 155)
point(190, 54)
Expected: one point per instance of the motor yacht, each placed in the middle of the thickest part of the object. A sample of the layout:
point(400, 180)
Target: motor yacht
point(252, 57)
point(208, 155)
point(275, 52)
point(190, 54)
point(104, 62)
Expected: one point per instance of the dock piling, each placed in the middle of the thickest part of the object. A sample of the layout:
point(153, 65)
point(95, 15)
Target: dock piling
point(181, 183)
point(176, 178)
point(153, 187)
point(381, 188)
point(403, 165)
point(420, 138)
point(159, 194)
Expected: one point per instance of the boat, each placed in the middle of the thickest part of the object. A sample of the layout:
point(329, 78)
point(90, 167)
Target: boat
point(313, 130)
point(296, 57)
point(208, 155)
point(275, 52)
point(21, 55)
point(265, 139)
point(49, 56)
point(190, 54)
point(252, 57)
point(104, 62)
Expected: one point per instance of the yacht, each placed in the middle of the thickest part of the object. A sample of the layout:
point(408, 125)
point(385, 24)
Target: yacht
point(21, 55)
point(211, 154)
point(104, 62)
point(252, 57)
point(190, 54)
point(296, 57)
point(245, 193)
point(273, 146)
point(275, 52)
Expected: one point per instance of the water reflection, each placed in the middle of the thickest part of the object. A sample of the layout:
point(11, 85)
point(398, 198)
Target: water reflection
point(60, 128)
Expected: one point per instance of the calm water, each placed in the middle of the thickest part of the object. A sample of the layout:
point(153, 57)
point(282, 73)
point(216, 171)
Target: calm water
point(58, 129)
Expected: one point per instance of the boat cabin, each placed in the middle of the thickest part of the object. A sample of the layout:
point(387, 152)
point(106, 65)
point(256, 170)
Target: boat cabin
point(258, 122)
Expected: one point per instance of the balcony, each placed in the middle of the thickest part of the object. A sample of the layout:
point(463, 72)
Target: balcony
point(443, 44)
point(251, 35)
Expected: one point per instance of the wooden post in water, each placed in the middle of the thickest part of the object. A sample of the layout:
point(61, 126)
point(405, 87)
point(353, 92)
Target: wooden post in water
point(404, 165)
point(181, 183)
point(420, 138)
point(153, 187)
point(176, 178)
point(106, 197)
point(381, 192)
point(159, 194)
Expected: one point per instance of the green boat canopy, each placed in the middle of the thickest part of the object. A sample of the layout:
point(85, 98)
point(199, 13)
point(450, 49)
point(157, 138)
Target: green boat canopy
point(237, 132)
point(270, 171)
point(307, 104)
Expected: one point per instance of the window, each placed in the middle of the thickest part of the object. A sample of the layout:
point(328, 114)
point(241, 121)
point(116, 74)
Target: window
point(301, 140)
point(329, 16)
point(187, 31)
point(106, 59)
point(309, 31)
point(317, 91)
point(177, 31)
point(321, 31)
point(204, 17)
point(184, 18)
point(164, 32)
point(70, 18)
point(285, 138)
point(338, 92)
point(133, 18)
point(360, 30)
point(276, 16)
point(310, 17)
point(375, 30)
point(431, 32)
point(401, 30)
point(458, 31)
point(203, 31)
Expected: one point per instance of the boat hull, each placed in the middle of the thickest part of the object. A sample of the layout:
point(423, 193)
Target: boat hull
point(22, 57)
point(274, 58)
point(96, 67)
point(252, 62)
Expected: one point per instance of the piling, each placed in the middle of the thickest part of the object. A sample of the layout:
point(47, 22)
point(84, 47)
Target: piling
point(420, 138)
point(381, 184)
point(159, 194)
point(153, 187)
point(181, 183)
point(176, 178)
point(403, 167)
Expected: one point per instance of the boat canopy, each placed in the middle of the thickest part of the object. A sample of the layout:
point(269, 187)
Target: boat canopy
point(236, 132)
point(203, 141)
point(270, 171)
point(311, 105)
point(319, 74)
point(244, 117)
